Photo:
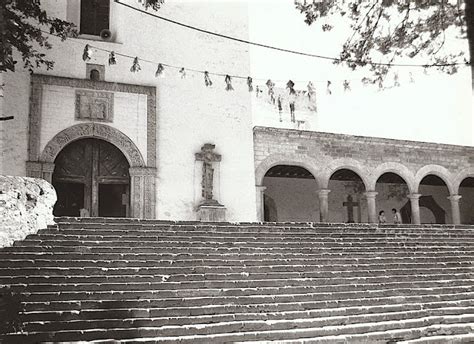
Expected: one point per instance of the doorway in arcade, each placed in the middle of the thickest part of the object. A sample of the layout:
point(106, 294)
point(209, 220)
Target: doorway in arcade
point(291, 194)
point(93, 175)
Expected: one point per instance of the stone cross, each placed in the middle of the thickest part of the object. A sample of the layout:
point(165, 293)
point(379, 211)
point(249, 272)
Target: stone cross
point(207, 156)
point(350, 208)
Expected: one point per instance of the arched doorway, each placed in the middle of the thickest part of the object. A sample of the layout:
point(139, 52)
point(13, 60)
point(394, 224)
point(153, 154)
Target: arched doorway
point(91, 174)
point(466, 190)
point(346, 197)
point(392, 192)
point(434, 199)
point(291, 194)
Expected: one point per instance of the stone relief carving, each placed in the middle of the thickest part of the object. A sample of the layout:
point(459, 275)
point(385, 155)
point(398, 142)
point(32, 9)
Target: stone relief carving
point(97, 130)
point(94, 105)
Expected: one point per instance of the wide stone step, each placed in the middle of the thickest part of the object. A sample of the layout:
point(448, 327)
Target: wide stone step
point(258, 330)
point(209, 276)
point(167, 290)
point(217, 313)
point(227, 265)
point(96, 234)
point(177, 250)
point(211, 245)
point(401, 274)
point(58, 277)
point(179, 301)
point(62, 310)
point(317, 320)
point(64, 222)
point(264, 257)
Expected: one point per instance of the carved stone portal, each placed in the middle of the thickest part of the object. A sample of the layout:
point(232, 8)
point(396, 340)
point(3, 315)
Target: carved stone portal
point(209, 210)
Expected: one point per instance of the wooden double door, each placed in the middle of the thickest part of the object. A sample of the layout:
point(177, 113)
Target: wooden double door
point(92, 175)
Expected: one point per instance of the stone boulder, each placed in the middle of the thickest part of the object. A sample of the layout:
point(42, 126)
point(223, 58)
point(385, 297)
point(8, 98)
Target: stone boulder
point(26, 205)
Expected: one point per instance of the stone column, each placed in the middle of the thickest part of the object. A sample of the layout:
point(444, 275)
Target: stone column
point(371, 206)
point(142, 192)
point(456, 214)
point(323, 205)
point(260, 202)
point(415, 208)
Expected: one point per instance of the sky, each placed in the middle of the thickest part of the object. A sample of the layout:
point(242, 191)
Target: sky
point(435, 108)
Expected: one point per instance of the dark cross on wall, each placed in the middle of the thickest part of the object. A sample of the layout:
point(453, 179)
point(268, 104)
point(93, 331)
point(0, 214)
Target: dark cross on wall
point(350, 204)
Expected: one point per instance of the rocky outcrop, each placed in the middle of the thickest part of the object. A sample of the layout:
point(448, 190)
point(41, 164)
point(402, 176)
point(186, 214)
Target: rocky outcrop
point(26, 205)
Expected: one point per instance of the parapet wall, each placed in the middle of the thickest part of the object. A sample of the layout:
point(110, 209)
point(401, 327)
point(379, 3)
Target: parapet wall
point(26, 205)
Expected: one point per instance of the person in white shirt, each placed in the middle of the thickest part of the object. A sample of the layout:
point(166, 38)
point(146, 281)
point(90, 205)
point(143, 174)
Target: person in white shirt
point(397, 218)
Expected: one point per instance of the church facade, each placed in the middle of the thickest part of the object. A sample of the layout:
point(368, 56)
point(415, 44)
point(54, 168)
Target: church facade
point(124, 140)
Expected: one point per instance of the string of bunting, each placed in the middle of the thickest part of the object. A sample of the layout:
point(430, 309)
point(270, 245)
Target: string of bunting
point(290, 97)
point(160, 72)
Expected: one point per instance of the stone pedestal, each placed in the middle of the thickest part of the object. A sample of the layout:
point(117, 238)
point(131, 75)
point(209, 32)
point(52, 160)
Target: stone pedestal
point(211, 212)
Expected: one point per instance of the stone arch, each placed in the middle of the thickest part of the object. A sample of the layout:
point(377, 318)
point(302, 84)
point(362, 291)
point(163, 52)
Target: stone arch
point(438, 171)
point(344, 163)
point(281, 159)
point(393, 167)
point(93, 130)
point(469, 173)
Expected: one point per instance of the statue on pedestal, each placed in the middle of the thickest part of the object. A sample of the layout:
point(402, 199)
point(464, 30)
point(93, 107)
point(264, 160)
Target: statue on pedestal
point(207, 156)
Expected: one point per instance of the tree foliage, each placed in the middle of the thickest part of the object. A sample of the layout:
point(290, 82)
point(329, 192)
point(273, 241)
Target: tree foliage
point(24, 26)
point(386, 31)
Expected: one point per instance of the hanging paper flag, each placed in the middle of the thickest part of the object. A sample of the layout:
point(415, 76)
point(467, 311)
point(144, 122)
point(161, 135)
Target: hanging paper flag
point(270, 84)
point(257, 91)
point(160, 71)
point(228, 83)
point(365, 81)
point(328, 88)
point(207, 79)
point(280, 108)
point(347, 85)
point(412, 80)
point(87, 54)
point(112, 59)
point(182, 72)
point(380, 80)
point(396, 81)
point(249, 84)
point(290, 85)
point(311, 90)
point(135, 66)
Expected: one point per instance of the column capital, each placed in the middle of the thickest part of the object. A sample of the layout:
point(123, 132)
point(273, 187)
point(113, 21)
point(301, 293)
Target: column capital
point(454, 198)
point(371, 194)
point(414, 196)
point(323, 192)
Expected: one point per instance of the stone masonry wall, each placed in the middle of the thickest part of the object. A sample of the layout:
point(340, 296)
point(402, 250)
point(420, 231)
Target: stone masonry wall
point(324, 153)
point(26, 205)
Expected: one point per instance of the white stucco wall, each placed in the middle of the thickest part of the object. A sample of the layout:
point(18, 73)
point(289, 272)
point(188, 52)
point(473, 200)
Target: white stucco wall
point(188, 113)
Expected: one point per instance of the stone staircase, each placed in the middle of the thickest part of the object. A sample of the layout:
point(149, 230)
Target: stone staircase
point(100, 280)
